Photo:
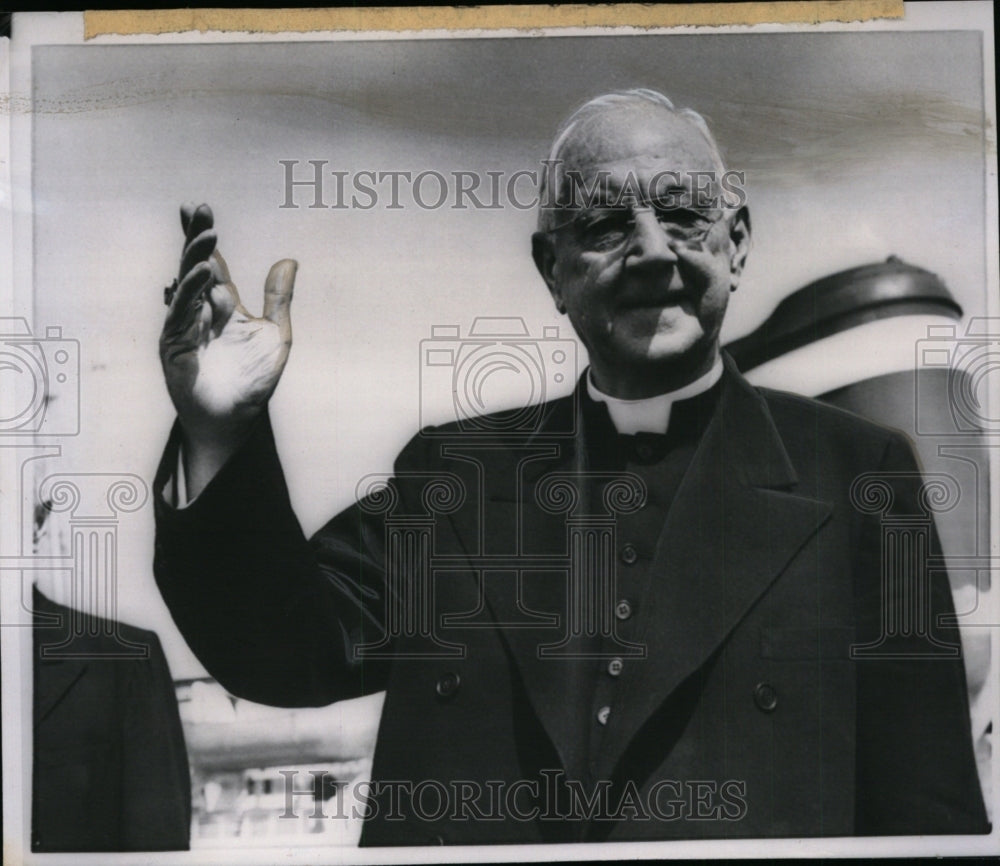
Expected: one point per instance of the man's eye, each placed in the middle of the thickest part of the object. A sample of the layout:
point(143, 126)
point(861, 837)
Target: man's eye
point(684, 224)
point(682, 217)
point(605, 231)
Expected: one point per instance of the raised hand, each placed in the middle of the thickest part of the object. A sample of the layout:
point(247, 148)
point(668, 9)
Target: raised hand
point(221, 364)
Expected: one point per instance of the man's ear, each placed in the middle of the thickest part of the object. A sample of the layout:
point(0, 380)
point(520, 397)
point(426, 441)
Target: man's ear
point(739, 237)
point(543, 251)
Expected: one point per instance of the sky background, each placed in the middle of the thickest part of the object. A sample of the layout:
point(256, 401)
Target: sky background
point(855, 146)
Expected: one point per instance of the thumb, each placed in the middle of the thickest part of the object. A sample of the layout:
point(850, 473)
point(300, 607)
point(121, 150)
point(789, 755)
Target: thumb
point(278, 295)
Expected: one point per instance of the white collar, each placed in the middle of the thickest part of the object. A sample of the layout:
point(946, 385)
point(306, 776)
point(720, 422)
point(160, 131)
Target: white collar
point(651, 414)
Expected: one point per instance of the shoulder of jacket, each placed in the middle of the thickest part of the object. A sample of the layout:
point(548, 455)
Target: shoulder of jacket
point(99, 634)
point(789, 409)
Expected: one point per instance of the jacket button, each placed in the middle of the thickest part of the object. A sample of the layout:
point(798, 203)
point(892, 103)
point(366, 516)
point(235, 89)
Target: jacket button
point(629, 555)
point(448, 685)
point(615, 667)
point(623, 610)
point(765, 697)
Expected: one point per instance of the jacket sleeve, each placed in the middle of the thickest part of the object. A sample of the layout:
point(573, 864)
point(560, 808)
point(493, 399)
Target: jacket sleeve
point(916, 770)
point(272, 616)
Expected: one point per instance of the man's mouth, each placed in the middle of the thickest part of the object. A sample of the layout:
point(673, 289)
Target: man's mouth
point(654, 299)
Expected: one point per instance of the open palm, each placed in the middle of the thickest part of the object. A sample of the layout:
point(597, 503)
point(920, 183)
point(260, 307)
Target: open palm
point(221, 363)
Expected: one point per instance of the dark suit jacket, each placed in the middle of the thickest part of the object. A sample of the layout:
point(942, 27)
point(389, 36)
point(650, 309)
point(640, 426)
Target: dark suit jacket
point(748, 717)
point(110, 767)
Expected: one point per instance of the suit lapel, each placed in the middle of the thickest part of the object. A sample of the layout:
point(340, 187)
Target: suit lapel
point(54, 678)
point(732, 529)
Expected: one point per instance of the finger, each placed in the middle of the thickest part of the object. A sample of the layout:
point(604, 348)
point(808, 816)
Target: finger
point(195, 219)
point(220, 268)
point(204, 315)
point(278, 296)
point(198, 250)
point(223, 300)
point(187, 211)
point(220, 272)
point(190, 288)
point(201, 219)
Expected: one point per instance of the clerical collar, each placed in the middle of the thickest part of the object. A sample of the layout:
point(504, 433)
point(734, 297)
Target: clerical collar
point(651, 414)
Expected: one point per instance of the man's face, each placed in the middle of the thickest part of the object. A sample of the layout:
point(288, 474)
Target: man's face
point(648, 307)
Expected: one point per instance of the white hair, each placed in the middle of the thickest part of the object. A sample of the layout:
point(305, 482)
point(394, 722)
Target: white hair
point(597, 106)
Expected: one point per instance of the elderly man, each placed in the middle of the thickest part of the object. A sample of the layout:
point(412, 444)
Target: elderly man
point(659, 614)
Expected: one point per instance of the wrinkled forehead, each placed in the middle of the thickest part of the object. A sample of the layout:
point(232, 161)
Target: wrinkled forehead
point(637, 139)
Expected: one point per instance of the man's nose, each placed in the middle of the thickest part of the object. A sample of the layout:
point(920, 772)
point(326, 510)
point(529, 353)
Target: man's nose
point(648, 243)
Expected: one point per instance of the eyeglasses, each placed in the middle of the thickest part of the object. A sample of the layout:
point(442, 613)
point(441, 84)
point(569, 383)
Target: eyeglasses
point(607, 229)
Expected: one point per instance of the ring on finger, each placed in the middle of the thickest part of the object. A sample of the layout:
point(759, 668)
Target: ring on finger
point(169, 292)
